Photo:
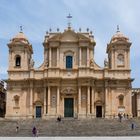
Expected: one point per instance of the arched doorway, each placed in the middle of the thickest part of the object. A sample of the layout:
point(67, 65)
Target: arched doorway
point(98, 111)
point(99, 108)
point(38, 109)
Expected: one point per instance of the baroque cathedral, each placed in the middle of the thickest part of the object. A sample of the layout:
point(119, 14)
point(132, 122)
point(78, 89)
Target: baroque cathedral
point(68, 83)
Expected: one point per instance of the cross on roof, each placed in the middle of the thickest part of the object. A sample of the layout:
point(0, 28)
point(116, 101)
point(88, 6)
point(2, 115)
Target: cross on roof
point(118, 29)
point(69, 20)
point(21, 29)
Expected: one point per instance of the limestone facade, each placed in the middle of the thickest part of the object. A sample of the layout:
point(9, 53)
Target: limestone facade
point(69, 82)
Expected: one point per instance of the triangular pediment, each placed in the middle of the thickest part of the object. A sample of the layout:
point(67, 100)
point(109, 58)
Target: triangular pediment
point(69, 36)
point(83, 37)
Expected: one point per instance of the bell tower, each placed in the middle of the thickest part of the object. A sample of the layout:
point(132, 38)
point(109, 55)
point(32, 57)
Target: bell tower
point(119, 52)
point(20, 53)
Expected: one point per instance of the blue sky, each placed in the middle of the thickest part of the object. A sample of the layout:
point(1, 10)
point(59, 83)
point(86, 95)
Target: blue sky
point(100, 16)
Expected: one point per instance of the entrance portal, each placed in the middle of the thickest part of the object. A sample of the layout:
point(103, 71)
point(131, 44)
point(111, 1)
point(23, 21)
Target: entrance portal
point(38, 111)
point(98, 111)
point(68, 107)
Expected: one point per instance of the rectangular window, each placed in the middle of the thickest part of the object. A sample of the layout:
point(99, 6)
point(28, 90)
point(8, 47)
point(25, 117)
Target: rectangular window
point(69, 62)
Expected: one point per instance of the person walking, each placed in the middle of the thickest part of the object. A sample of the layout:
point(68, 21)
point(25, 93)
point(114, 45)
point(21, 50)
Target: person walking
point(17, 127)
point(34, 131)
point(132, 126)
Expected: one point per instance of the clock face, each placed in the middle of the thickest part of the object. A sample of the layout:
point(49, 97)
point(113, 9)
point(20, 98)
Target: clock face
point(120, 59)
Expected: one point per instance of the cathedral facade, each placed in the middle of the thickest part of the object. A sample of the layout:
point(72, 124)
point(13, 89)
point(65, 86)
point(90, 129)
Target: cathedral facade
point(69, 82)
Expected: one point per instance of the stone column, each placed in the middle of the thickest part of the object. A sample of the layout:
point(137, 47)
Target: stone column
point(31, 99)
point(93, 94)
point(80, 59)
point(79, 100)
point(50, 57)
point(88, 100)
point(106, 100)
point(49, 103)
point(87, 57)
point(57, 57)
point(44, 100)
point(58, 100)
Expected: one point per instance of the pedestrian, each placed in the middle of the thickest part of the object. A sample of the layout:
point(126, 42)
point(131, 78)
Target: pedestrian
point(124, 115)
point(59, 118)
point(132, 126)
point(127, 116)
point(37, 133)
point(17, 127)
point(34, 131)
point(120, 116)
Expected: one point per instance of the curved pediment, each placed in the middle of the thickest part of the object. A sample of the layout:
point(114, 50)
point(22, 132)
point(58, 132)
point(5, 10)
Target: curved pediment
point(68, 90)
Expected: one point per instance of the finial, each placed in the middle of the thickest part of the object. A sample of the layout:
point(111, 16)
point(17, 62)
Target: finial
point(69, 20)
point(50, 29)
point(57, 29)
point(91, 32)
point(87, 29)
point(79, 29)
point(47, 33)
point(20, 29)
point(118, 30)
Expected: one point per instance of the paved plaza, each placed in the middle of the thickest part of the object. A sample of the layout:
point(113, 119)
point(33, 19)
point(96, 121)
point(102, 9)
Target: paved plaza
point(70, 127)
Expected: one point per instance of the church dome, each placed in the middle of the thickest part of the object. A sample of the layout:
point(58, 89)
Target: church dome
point(119, 37)
point(20, 38)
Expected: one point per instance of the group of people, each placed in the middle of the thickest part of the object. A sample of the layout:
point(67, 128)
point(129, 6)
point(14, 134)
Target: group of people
point(122, 115)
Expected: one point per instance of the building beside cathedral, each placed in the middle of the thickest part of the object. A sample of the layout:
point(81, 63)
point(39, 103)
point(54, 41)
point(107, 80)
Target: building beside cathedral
point(69, 82)
point(2, 99)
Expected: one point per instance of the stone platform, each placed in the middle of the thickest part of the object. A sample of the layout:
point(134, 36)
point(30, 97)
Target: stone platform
point(70, 127)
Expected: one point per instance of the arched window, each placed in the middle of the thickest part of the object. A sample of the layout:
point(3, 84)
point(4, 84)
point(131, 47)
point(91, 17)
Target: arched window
point(69, 62)
point(121, 98)
point(18, 61)
point(120, 59)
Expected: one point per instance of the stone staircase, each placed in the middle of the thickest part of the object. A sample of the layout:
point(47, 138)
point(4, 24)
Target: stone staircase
point(70, 127)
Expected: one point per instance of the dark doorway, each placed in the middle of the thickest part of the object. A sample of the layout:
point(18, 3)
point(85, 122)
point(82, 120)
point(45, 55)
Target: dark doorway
point(68, 107)
point(38, 111)
point(98, 111)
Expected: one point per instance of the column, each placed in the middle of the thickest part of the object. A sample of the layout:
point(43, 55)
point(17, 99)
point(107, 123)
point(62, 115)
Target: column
point(79, 100)
point(31, 98)
point(49, 100)
point(80, 59)
point(57, 57)
point(93, 94)
point(87, 57)
point(106, 101)
point(58, 100)
point(50, 57)
point(88, 100)
point(44, 100)
point(138, 104)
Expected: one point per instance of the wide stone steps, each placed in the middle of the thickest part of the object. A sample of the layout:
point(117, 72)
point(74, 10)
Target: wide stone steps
point(71, 127)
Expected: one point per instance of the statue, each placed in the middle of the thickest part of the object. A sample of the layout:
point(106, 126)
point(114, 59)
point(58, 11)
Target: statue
point(32, 63)
point(92, 62)
point(46, 63)
point(105, 63)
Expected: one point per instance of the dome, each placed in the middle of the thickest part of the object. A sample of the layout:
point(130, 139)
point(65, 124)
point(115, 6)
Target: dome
point(21, 35)
point(20, 38)
point(119, 37)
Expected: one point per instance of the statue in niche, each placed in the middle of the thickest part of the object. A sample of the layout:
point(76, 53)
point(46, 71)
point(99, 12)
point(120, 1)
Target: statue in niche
point(105, 63)
point(92, 62)
point(32, 63)
point(46, 63)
